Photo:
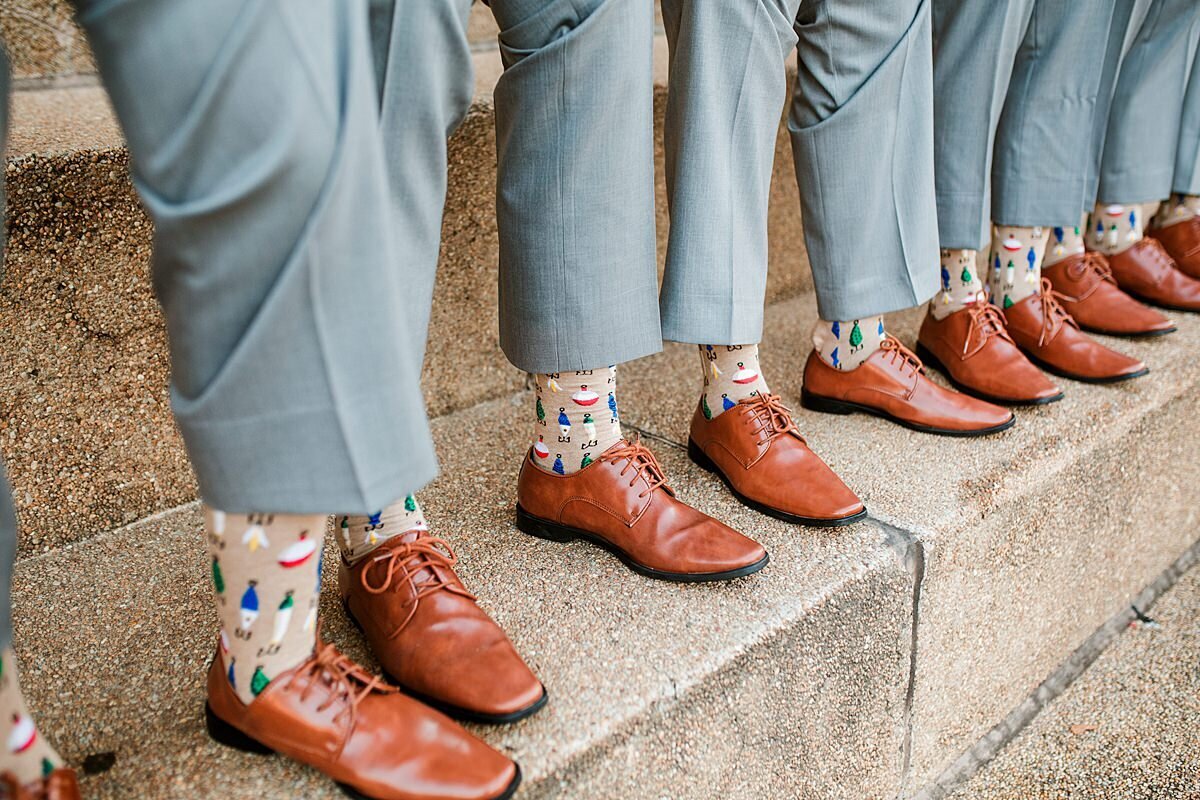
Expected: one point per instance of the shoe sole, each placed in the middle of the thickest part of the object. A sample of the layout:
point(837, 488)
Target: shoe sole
point(929, 358)
point(1158, 304)
point(1129, 334)
point(827, 405)
point(449, 709)
point(1053, 370)
point(225, 734)
point(563, 534)
point(704, 462)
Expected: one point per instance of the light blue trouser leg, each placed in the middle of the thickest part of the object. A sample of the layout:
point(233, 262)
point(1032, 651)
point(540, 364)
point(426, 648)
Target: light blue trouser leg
point(1146, 115)
point(424, 75)
point(861, 124)
point(254, 133)
point(1126, 21)
point(727, 88)
point(575, 183)
point(1187, 154)
point(1042, 150)
point(8, 517)
point(976, 42)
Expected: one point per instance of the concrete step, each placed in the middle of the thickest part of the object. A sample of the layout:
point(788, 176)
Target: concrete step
point(1126, 728)
point(860, 664)
point(83, 339)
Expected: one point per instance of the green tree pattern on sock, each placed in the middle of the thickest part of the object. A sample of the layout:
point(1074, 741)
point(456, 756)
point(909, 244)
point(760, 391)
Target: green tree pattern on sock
point(856, 337)
point(259, 681)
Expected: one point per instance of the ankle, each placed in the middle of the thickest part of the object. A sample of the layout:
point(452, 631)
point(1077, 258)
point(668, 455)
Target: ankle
point(961, 286)
point(731, 373)
point(1115, 227)
point(359, 535)
point(575, 418)
point(1016, 263)
point(845, 344)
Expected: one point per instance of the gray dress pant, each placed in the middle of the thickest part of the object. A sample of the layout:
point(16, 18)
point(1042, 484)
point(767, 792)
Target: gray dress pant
point(253, 127)
point(1018, 90)
point(861, 128)
point(1153, 131)
point(575, 167)
point(254, 133)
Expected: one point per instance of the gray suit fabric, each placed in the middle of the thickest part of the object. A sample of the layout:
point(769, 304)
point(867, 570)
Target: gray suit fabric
point(861, 133)
point(575, 167)
point(1019, 86)
point(1153, 128)
point(254, 133)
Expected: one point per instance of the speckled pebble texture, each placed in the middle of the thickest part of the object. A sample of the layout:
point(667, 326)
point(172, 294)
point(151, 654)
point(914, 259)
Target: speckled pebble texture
point(43, 41)
point(1128, 728)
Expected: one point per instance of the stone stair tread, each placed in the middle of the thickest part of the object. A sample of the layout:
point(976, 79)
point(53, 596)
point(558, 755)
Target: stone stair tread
point(618, 652)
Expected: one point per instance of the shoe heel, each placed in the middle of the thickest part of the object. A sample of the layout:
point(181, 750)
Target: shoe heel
point(825, 405)
point(542, 529)
point(224, 733)
point(699, 458)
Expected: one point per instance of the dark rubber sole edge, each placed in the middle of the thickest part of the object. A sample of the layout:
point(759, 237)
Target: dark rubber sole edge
point(1156, 304)
point(1129, 335)
point(225, 734)
point(926, 355)
point(563, 534)
point(449, 709)
point(705, 463)
point(1053, 370)
point(827, 405)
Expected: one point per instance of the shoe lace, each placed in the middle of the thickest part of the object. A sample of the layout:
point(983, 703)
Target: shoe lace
point(1053, 314)
point(900, 356)
point(643, 463)
point(773, 417)
point(343, 680)
point(1097, 263)
point(986, 322)
point(425, 564)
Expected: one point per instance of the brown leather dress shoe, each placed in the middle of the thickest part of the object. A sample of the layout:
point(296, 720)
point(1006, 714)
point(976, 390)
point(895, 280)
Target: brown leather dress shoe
point(892, 384)
point(61, 784)
point(972, 348)
point(377, 743)
point(1089, 293)
point(757, 450)
point(1145, 271)
point(1182, 243)
point(621, 501)
point(1051, 338)
point(431, 637)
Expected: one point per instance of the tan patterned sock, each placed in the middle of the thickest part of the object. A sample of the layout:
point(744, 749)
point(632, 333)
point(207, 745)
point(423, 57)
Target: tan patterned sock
point(1064, 243)
point(266, 571)
point(731, 372)
point(846, 344)
point(1016, 263)
point(961, 286)
point(576, 418)
point(1177, 208)
point(27, 755)
point(1115, 227)
point(357, 536)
